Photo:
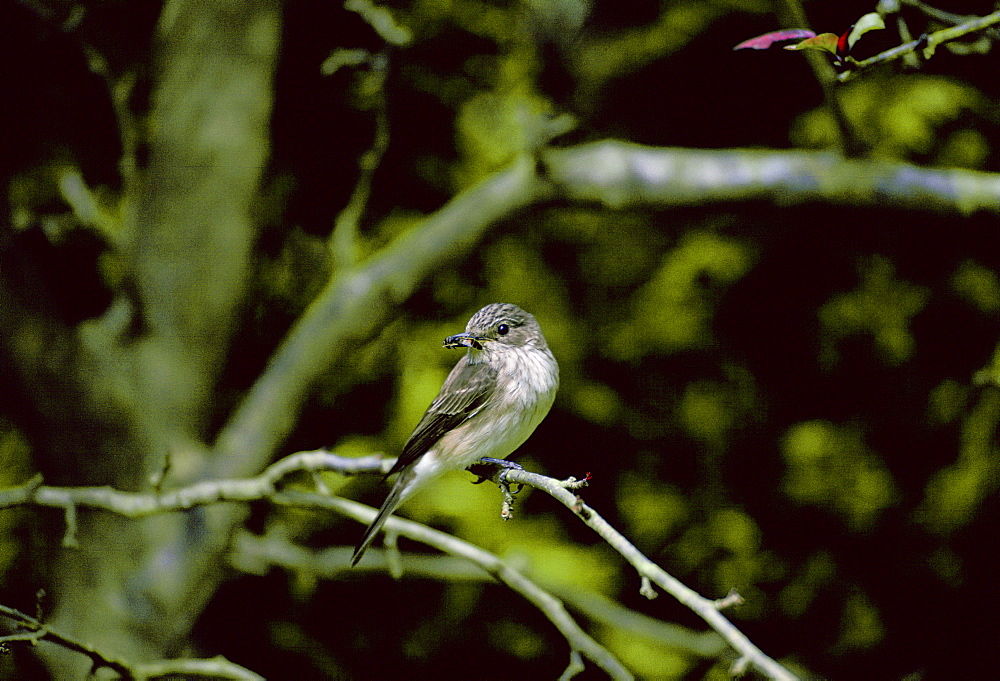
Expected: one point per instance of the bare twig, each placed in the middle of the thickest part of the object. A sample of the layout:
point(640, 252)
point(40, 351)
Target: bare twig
point(32, 630)
point(946, 17)
point(263, 487)
point(707, 609)
point(143, 504)
point(550, 606)
point(256, 554)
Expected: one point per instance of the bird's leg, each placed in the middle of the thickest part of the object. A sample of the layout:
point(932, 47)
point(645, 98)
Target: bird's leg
point(500, 463)
point(500, 478)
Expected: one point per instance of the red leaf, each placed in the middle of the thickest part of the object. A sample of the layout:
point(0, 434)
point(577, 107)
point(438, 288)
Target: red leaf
point(763, 42)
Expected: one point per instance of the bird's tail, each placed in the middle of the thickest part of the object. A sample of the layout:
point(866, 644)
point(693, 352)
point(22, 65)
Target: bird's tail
point(391, 503)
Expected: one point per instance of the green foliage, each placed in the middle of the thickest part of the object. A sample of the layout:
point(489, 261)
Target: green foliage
point(15, 469)
point(830, 466)
point(861, 627)
point(494, 126)
point(649, 660)
point(954, 493)
point(882, 307)
point(652, 511)
point(672, 311)
point(906, 118)
point(806, 584)
point(978, 285)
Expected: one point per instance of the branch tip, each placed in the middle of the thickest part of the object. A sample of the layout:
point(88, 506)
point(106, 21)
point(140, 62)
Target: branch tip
point(646, 588)
point(731, 599)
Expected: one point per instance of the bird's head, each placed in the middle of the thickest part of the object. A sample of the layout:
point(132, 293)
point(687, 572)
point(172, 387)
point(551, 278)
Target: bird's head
point(496, 326)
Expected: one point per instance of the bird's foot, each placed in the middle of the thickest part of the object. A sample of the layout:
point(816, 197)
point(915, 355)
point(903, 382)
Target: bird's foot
point(485, 470)
point(482, 469)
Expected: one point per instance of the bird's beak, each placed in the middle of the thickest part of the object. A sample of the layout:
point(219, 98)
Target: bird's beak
point(465, 340)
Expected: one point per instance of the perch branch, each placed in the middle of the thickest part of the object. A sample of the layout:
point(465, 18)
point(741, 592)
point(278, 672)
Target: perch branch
point(648, 570)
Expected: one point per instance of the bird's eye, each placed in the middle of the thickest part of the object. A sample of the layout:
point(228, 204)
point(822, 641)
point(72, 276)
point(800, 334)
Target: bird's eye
point(503, 329)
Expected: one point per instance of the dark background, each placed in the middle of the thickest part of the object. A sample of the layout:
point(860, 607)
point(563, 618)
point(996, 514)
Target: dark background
point(776, 399)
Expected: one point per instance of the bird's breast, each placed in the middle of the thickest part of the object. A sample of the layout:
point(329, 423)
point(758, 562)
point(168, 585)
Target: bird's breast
point(527, 380)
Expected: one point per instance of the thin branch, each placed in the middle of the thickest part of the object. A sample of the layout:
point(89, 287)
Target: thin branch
point(32, 630)
point(550, 606)
point(343, 242)
point(256, 554)
point(143, 504)
point(707, 609)
point(946, 17)
point(216, 667)
point(927, 43)
point(263, 486)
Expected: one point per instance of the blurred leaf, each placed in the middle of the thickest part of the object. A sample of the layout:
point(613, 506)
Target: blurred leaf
point(798, 595)
point(381, 20)
point(830, 467)
point(947, 401)
point(595, 402)
point(495, 126)
point(964, 149)
point(954, 494)
point(861, 626)
point(735, 531)
point(574, 566)
point(517, 638)
point(647, 659)
point(652, 511)
point(705, 411)
point(882, 307)
point(15, 469)
point(424, 366)
point(978, 285)
point(673, 310)
point(897, 117)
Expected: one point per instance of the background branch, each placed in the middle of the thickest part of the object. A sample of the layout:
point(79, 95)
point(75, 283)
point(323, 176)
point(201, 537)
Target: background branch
point(33, 631)
point(620, 175)
point(547, 604)
point(256, 554)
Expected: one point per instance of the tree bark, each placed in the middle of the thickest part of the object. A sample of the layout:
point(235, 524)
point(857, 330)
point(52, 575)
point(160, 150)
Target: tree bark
point(134, 588)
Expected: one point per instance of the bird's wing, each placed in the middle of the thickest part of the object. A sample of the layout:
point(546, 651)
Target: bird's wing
point(465, 391)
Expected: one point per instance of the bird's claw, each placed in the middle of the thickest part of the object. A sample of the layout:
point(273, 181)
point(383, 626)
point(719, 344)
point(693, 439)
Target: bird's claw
point(486, 462)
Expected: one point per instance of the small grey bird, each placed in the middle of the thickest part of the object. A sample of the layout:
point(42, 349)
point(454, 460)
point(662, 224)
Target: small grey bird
point(491, 402)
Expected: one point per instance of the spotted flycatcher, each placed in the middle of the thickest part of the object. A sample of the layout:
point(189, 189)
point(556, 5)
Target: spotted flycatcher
point(491, 402)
